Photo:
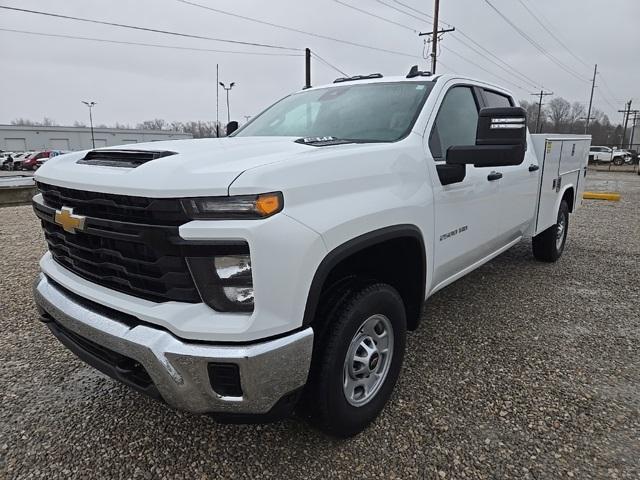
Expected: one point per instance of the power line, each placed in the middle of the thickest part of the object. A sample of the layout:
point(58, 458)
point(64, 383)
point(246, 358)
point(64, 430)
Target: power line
point(507, 68)
point(154, 45)
point(374, 15)
point(607, 101)
point(510, 70)
point(539, 47)
point(445, 48)
point(145, 29)
point(483, 68)
point(608, 89)
point(548, 30)
point(296, 30)
point(430, 17)
point(329, 64)
point(382, 2)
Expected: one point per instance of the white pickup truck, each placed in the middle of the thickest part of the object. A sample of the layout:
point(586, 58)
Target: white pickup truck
point(283, 266)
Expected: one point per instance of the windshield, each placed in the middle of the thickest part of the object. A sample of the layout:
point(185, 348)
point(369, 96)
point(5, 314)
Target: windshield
point(370, 112)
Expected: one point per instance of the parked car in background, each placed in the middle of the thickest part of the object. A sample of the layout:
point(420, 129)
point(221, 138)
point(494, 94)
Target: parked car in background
point(631, 156)
point(52, 153)
point(14, 162)
point(20, 160)
point(607, 154)
point(31, 163)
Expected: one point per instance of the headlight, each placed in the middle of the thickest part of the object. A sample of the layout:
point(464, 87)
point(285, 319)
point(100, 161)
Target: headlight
point(235, 207)
point(225, 282)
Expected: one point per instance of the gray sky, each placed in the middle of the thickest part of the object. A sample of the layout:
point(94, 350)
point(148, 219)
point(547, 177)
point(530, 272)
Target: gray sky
point(43, 76)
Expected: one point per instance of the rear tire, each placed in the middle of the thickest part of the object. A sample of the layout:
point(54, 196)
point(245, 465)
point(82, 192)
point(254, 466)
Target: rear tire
point(357, 361)
point(549, 245)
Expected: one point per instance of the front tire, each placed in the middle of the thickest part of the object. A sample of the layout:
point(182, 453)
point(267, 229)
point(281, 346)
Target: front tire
point(549, 245)
point(358, 360)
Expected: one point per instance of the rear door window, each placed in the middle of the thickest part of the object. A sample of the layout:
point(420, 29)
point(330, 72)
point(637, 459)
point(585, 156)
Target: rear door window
point(495, 99)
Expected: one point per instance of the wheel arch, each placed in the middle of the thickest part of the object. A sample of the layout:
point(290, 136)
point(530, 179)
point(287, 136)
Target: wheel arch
point(412, 288)
point(569, 195)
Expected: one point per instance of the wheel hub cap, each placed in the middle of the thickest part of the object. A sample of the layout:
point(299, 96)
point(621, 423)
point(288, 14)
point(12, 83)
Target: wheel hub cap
point(368, 359)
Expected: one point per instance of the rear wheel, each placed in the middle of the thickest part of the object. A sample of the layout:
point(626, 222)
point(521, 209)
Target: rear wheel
point(549, 245)
point(358, 360)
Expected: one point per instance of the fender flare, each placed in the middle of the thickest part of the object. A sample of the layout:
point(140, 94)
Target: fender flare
point(350, 247)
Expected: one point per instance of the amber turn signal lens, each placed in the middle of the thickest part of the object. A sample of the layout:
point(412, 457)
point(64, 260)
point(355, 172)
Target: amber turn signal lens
point(268, 204)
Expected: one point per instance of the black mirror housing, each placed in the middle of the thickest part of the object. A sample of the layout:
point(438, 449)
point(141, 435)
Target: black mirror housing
point(502, 126)
point(501, 139)
point(232, 126)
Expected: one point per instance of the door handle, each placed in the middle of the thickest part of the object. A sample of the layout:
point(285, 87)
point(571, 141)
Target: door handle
point(494, 176)
point(533, 168)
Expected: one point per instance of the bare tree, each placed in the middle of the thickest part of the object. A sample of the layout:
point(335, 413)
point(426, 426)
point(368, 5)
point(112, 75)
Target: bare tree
point(46, 122)
point(559, 113)
point(532, 114)
point(577, 115)
point(155, 124)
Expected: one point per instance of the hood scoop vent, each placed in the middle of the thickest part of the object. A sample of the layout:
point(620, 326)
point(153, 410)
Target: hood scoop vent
point(122, 158)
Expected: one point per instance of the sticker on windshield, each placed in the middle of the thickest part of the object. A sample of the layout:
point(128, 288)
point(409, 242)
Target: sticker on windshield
point(419, 87)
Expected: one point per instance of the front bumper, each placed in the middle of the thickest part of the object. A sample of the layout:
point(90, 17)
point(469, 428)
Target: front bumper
point(179, 370)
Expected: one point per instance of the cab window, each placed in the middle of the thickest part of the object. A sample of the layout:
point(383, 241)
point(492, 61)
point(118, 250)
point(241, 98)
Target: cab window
point(495, 99)
point(455, 123)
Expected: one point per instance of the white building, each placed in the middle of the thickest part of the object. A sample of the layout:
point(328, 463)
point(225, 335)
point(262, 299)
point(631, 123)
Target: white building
point(19, 138)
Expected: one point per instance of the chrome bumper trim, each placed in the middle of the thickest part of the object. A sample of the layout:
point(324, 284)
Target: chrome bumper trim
point(268, 370)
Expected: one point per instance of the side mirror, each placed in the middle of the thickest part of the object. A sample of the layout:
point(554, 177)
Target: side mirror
point(232, 126)
point(501, 140)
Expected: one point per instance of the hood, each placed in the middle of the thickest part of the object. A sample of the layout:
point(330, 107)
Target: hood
point(199, 167)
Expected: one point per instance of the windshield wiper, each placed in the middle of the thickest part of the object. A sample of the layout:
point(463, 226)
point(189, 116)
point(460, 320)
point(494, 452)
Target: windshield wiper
point(324, 141)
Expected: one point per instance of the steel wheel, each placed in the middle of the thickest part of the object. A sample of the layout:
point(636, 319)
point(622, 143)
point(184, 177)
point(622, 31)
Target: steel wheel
point(560, 231)
point(368, 358)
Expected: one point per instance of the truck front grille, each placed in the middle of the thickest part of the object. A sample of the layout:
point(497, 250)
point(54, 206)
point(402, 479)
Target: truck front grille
point(129, 244)
point(140, 259)
point(126, 208)
point(129, 267)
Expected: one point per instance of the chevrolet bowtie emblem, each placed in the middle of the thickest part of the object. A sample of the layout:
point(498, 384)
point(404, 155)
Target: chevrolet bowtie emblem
point(68, 221)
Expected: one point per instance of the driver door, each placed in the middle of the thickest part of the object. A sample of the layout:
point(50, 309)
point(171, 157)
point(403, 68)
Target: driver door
point(465, 212)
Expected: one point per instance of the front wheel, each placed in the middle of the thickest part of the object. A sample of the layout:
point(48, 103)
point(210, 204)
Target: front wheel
point(549, 245)
point(358, 360)
point(618, 161)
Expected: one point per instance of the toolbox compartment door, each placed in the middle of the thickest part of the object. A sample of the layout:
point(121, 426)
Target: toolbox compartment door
point(563, 162)
point(547, 184)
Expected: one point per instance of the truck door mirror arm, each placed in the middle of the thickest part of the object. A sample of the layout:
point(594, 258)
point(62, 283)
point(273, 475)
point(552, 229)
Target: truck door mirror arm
point(501, 140)
point(448, 173)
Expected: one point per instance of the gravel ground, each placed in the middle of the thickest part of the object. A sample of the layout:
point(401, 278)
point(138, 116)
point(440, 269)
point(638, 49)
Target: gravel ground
point(520, 370)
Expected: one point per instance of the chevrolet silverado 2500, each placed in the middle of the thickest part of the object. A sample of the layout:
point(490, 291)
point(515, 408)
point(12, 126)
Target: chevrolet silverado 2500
point(282, 266)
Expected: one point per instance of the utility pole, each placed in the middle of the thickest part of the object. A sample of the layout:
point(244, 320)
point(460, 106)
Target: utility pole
point(633, 127)
point(434, 35)
point(541, 94)
point(593, 86)
point(228, 89)
point(307, 68)
point(91, 105)
point(627, 111)
point(217, 101)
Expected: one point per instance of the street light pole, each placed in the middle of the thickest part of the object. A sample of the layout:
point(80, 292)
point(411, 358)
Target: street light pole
point(91, 105)
point(228, 89)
